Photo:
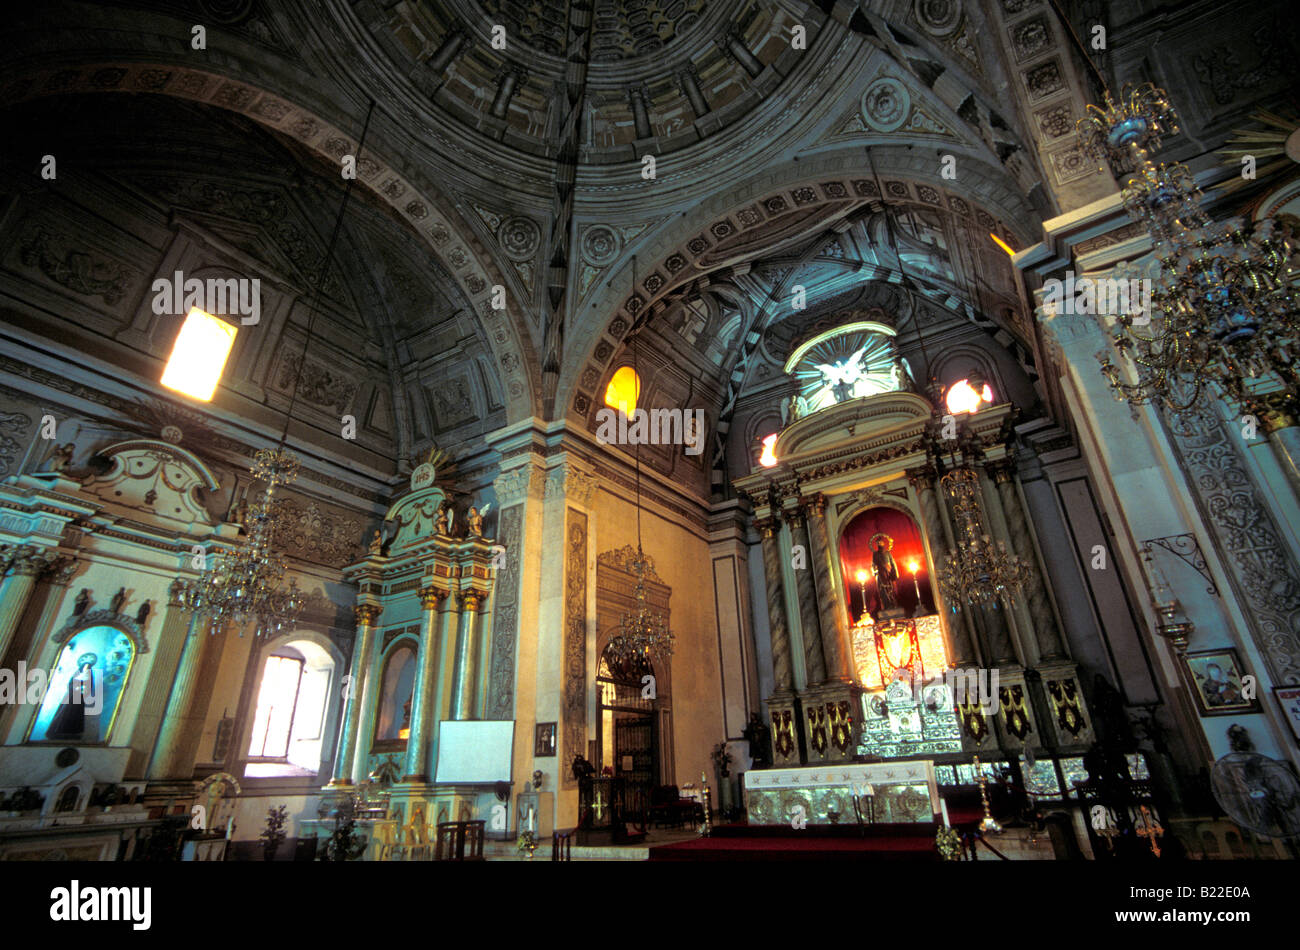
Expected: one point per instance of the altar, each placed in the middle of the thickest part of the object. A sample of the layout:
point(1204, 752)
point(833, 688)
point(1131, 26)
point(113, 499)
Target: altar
point(888, 792)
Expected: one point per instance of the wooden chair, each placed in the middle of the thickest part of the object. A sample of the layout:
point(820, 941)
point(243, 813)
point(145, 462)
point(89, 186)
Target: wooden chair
point(460, 841)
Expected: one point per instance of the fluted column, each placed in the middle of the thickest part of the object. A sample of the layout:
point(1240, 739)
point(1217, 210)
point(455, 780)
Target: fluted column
point(814, 661)
point(467, 655)
point(782, 660)
point(422, 696)
point(168, 754)
point(21, 570)
point(836, 645)
point(1046, 631)
point(358, 691)
point(923, 483)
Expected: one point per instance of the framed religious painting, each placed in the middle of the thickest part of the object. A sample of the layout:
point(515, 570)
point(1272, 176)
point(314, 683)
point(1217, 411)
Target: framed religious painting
point(1215, 677)
point(1288, 697)
point(544, 739)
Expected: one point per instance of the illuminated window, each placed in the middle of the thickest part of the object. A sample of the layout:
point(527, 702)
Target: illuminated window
point(962, 397)
point(199, 355)
point(624, 389)
point(767, 458)
point(276, 701)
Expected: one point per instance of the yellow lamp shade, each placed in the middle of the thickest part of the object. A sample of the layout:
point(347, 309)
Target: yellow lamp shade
point(624, 390)
point(199, 355)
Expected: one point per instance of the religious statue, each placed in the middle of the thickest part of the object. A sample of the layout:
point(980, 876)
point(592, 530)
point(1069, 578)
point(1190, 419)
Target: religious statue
point(582, 768)
point(69, 722)
point(798, 408)
point(475, 522)
point(142, 614)
point(214, 789)
point(787, 410)
point(442, 524)
point(81, 603)
point(118, 600)
point(760, 742)
point(882, 562)
point(59, 458)
point(376, 543)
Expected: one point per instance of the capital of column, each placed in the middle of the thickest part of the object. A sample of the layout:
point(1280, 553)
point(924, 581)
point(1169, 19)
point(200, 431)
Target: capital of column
point(176, 593)
point(471, 599)
point(526, 481)
point(922, 478)
point(367, 614)
point(817, 504)
point(28, 561)
point(1002, 471)
point(795, 516)
point(431, 598)
point(768, 527)
point(571, 483)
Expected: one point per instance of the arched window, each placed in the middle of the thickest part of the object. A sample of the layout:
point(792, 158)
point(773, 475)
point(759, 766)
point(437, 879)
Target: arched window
point(85, 687)
point(292, 699)
point(68, 799)
point(964, 397)
point(393, 722)
point(624, 389)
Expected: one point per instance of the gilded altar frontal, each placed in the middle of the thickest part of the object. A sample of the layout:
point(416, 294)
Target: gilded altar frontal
point(737, 431)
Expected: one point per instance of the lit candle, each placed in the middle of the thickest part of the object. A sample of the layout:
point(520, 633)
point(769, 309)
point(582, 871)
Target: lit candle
point(943, 807)
point(532, 819)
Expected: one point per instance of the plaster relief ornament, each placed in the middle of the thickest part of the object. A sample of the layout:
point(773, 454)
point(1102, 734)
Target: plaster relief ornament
point(886, 105)
point(59, 458)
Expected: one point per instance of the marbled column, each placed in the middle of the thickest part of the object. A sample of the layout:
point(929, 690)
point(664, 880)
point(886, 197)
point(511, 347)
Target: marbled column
point(814, 661)
point(836, 645)
point(467, 655)
point(782, 661)
point(923, 483)
point(1015, 616)
point(357, 692)
point(1046, 632)
point(422, 695)
point(23, 567)
point(169, 750)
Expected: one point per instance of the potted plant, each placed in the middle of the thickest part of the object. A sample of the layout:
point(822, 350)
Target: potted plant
point(273, 835)
point(527, 842)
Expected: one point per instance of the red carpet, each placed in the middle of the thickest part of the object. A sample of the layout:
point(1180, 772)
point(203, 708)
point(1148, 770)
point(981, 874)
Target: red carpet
point(814, 843)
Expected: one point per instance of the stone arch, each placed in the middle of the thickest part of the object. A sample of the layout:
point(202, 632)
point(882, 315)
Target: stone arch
point(407, 192)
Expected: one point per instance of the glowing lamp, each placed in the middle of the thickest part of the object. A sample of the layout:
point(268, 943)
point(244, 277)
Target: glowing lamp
point(404, 733)
point(914, 565)
point(199, 355)
point(768, 457)
point(962, 397)
point(1002, 244)
point(861, 576)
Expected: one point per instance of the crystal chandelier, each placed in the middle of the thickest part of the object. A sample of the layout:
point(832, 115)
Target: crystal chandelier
point(978, 570)
point(244, 584)
point(1224, 310)
point(643, 632)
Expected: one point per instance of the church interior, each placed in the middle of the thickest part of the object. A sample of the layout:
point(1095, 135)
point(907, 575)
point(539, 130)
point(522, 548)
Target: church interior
point(661, 430)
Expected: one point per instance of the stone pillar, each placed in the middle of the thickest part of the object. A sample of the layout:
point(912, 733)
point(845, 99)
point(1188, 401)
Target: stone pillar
point(690, 84)
point(735, 45)
point(446, 52)
point(938, 534)
point(463, 702)
point(357, 693)
point(640, 113)
point(22, 568)
point(814, 661)
point(1051, 645)
point(57, 579)
point(422, 696)
point(782, 660)
point(510, 80)
point(169, 756)
point(837, 648)
point(1284, 437)
point(448, 622)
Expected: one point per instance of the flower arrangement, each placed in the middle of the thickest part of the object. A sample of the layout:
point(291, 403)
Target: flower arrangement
point(948, 841)
point(527, 842)
point(721, 758)
point(274, 834)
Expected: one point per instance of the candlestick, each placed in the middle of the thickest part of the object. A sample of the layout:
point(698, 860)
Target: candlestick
point(943, 807)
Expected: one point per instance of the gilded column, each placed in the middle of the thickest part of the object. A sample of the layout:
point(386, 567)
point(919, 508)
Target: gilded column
point(423, 694)
point(814, 661)
point(836, 646)
point(168, 754)
point(782, 661)
point(923, 483)
point(1046, 631)
point(1012, 612)
point(22, 568)
point(466, 655)
point(357, 691)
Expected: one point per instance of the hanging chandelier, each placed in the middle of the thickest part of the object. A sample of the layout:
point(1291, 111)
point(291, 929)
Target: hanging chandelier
point(978, 570)
point(643, 633)
point(244, 584)
point(1224, 312)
